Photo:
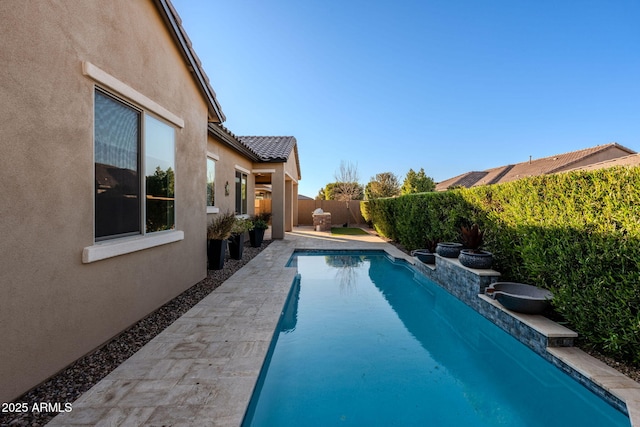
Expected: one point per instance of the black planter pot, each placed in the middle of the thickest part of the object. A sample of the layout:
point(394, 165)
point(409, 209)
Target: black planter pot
point(424, 255)
point(215, 254)
point(256, 236)
point(448, 249)
point(475, 259)
point(236, 245)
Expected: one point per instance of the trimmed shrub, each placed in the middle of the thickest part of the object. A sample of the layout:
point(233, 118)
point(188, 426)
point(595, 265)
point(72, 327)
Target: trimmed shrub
point(577, 234)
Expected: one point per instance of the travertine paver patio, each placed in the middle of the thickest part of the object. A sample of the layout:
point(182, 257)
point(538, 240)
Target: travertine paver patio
point(202, 369)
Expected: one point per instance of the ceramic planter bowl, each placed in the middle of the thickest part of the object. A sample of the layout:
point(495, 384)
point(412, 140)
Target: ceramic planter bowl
point(448, 249)
point(475, 259)
point(520, 297)
point(424, 255)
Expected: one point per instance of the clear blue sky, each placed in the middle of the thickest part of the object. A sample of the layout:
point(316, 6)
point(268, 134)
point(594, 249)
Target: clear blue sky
point(445, 85)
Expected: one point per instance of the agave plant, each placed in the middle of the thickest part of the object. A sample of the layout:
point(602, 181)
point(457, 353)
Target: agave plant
point(472, 237)
point(473, 257)
point(431, 244)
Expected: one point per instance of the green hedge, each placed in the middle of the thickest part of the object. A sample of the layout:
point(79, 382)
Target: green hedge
point(577, 234)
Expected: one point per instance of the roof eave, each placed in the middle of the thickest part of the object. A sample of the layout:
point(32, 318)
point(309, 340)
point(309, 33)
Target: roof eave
point(232, 142)
point(295, 151)
point(172, 20)
point(273, 159)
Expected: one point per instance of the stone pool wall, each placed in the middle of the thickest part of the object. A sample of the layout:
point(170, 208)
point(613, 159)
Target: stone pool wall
point(536, 332)
point(465, 283)
point(468, 285)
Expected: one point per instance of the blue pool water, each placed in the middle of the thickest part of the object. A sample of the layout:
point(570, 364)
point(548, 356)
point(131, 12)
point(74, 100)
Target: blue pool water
point(366, 341)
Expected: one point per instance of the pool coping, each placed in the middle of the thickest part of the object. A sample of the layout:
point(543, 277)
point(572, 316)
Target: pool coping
point(203, 368)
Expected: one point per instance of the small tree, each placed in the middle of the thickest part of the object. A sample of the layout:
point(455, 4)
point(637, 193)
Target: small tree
point(385, 184)
point(417, 182)
point(347, 187)
point(328, 192)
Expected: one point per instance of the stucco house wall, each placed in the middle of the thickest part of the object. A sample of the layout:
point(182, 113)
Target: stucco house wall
point(55, 307)
point(292, 176)
point(284, 198)
point(228, 161)
point(274, 162)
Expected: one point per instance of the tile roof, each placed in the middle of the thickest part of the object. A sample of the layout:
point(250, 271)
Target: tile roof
point(467, 179)
point(534, 167)
point(270, 148)
point(229, 138)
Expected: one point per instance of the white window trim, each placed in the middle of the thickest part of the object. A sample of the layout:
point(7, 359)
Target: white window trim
point(243, 170)
point(126, 245)
point(108, 81)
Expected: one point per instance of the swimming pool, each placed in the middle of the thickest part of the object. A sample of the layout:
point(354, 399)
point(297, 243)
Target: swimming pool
point(365, 340)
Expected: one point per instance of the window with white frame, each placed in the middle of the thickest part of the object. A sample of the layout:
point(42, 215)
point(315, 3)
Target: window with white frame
point(131, 145)
point(241, 193)
point(211, 181)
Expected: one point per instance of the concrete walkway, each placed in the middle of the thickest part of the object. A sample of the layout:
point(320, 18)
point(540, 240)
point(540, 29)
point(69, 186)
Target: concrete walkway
point(202, 369)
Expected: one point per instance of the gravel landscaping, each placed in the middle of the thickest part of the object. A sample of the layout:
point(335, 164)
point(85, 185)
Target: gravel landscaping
point(84, 373)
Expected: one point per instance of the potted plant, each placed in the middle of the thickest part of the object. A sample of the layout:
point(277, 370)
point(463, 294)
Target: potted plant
point(218, 231)
point(472, 256)
point(260, 224)
point(236, 240)
point(427, 255)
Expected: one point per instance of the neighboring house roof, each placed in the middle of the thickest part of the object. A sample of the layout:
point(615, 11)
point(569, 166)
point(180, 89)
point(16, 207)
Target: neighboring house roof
point(543, 166)
point(174, 24)
point(467, 179)
point(110, 178)
point(630, 161)
point(303, 197)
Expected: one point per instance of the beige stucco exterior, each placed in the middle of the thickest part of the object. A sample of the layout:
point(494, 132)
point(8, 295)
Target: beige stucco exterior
point(55, 307)
point(228, 161)
point(280, 174)
point(284, 194)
